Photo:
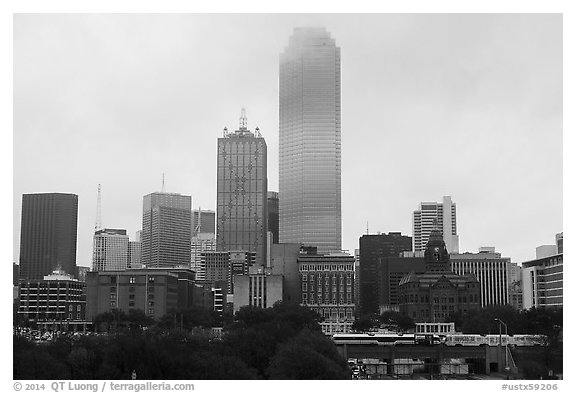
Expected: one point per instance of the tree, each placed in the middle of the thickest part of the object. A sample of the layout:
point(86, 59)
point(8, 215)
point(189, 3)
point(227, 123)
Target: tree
point(363, 324)
point(401, 321)
point(310, 355)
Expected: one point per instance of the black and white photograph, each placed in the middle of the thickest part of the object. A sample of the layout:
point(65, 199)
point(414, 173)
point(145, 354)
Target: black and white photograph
point(287, 196)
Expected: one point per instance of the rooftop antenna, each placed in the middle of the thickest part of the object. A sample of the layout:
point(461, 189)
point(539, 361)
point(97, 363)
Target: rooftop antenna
point(243, 119)
point(98, 224)
point(163, 186)
point(367, 231)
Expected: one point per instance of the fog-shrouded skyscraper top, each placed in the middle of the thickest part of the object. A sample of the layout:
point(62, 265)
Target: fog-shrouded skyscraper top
point(242, 185)
point(310, 144)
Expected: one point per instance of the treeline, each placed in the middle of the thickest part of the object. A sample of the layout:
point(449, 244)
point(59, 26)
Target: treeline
point(547, 321)
point(283, 342)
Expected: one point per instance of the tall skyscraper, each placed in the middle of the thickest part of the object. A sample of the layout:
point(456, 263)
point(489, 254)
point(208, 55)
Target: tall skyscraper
point(310, 163)
point(110, 250)
point(273, 221)
point(423, 223)
point(203, 221)
point(242, 186)
point(48, 234)
point(166, 227)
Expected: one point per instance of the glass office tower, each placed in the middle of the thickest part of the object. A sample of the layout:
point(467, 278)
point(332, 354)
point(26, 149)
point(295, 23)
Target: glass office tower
point(242, 188)
point(310, 163)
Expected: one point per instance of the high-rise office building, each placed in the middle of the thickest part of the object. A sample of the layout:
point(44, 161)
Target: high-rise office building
point(203, 239)
point(273, 217)
point(310, 144)
point(111, 248)
point(425, 217)
point(48, 234)
point(134, 254)
point(373, 249)
point(203, 221)
point(166, 225)
point(491, 270)
point(242, 185)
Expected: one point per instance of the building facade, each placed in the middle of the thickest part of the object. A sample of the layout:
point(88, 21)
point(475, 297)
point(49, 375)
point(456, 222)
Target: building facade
point(327, 287)
point(373, 249)
point(543, 282)
point(48, 234)
point(155, 291)
point(57, 300)
point(134, 254)
point(284, 262)
point(310, 141)
point(260, 290)
point(273, 216)
point(424, 221)
point(203, 222)
point(242, 186)
point(436, 294)
point(110, 250)
point(491, 270)
point(166, 227)
point(201, 243)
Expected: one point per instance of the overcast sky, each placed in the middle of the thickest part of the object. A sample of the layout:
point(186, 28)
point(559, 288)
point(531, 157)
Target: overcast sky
point(462, 105)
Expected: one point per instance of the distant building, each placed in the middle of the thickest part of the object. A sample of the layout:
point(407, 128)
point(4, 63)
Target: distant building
point(491, 270)
point(242, 185)
point(203, 222)
point(273, 216)
point(57, 301)
point(515, 286)
point(110, 250)
point(260, 290)
point(423, 222)
point(560, 243)
point(546, 250)
point(201, 243)
point(155, 291)
point(543, 282)
point(82, 270)
point(240, 262)
point(134, 254)
point(48, 234)
point(390, 272)
point(437, 293)
point(15, 274)
point(373, 249)
point(327, 287)
point(166, 230)
point(284, 257)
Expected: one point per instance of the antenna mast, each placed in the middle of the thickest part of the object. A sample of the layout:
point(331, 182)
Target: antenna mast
point(98, 224)
point(163, 186)
point(243, 119)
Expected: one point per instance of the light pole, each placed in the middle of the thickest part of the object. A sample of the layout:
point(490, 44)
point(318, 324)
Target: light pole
point(500, 323)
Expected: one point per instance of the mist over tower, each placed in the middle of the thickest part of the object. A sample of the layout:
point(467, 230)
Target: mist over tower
point(310, 142)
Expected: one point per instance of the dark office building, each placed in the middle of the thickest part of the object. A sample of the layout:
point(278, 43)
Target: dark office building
point(166, 230)
point(391, 271)
point(273, 215)
point(48, 234)
point(374, 248)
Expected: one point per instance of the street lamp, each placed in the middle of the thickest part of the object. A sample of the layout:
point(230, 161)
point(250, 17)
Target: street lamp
point(500, 323)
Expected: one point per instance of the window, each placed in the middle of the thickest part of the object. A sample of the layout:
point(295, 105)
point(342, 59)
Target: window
point(132, 280)
point(304, 296)
point(131, 304)
point(151, 279)
point(312, 278)
point(304, 286)
point(113, 280)
point(131, 296)
point(131, 289)
point(304, 277)
point(112, 289)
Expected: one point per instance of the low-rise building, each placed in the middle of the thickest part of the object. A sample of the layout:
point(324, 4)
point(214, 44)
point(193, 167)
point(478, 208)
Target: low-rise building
point(327, 287)
point(260, 289)
point(58, 301)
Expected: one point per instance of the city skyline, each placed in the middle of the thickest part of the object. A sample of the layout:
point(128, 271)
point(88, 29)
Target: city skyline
point(477, 96)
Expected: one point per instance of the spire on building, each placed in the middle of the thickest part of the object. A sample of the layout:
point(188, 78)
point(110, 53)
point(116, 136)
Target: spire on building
point(243, 119)
point(163, 185)
point(98, 224)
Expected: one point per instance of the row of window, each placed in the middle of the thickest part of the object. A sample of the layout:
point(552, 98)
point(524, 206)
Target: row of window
point(326, 267)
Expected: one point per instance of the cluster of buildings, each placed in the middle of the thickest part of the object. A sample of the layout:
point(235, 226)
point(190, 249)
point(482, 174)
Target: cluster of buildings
point(259, 246)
